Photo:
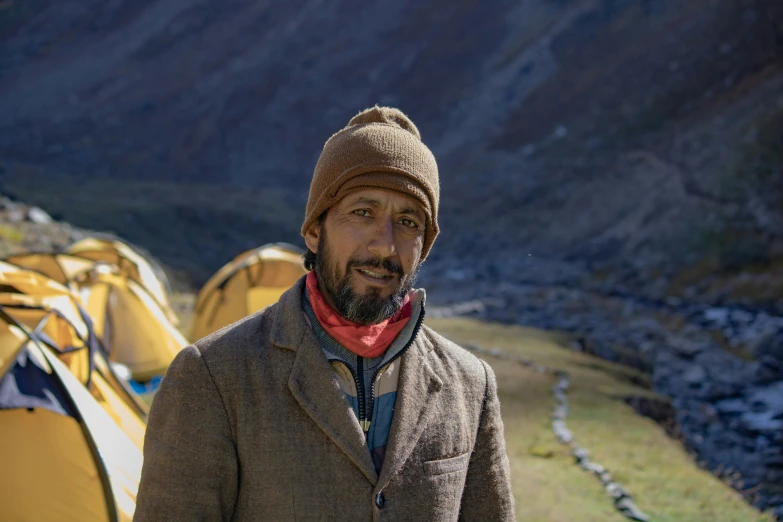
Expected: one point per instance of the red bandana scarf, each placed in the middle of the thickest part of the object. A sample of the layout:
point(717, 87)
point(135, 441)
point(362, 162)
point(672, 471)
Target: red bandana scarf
point(365, 341)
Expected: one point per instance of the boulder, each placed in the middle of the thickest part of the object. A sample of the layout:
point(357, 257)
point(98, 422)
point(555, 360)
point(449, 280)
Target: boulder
point(38, 216)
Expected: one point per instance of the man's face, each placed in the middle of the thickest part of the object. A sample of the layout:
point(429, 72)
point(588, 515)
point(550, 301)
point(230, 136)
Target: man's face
point(368, 252)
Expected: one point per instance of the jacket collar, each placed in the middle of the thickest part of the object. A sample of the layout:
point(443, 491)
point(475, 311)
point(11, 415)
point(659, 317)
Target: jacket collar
point(289, 325)
point(313, 383)
point(314, 386)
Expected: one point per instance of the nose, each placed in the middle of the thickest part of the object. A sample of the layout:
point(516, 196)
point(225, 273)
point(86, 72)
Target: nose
point(382, 243)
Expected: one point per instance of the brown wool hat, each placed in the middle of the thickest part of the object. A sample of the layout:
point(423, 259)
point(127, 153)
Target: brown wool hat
point(379, 148)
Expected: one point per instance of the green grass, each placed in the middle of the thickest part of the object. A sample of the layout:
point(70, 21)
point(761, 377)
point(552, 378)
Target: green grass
point(663, 479)
point(11, 234)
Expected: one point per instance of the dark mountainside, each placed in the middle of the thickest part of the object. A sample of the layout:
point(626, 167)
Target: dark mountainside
point(612, 168)
point(603, 135)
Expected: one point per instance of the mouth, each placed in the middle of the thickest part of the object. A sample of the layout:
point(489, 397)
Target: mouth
point(376, 275)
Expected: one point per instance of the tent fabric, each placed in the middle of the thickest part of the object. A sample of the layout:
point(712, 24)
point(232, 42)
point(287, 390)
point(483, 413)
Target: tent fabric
point(26, 384)
point(124, 406)
point(77, 459)
point(71, 430)
point(119, 411)
point(80, 273)
point(133, 327)
point(49, 470)
point(125, 304)
point(50, 309)
point(131, 264)
point(253, 280)
point(120, 456)
point(55, 315)
point(63, 268)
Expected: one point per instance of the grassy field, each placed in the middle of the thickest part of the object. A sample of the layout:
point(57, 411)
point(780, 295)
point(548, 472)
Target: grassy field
point(663, 479)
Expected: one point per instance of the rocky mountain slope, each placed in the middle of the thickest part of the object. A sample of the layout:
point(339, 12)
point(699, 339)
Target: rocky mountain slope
point(25, 228)
point(609, 134)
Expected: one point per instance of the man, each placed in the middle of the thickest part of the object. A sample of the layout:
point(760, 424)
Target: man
point(337, 403)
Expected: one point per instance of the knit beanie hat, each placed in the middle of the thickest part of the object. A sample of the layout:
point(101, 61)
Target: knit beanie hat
point(379, 148)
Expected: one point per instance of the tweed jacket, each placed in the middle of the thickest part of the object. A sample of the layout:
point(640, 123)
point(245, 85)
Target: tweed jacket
point(251, 423)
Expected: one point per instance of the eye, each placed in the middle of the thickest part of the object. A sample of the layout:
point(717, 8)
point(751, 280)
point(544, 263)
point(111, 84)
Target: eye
point(361, 212)
point(408, 223)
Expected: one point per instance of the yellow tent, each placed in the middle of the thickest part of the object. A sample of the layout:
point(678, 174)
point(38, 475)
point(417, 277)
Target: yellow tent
point(54, 315)
point(64, 458)
point(134, 328)
point(63, 268)
point(251, 281)
point(131, 264)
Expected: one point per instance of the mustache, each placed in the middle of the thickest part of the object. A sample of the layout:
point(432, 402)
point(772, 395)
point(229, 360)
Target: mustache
point(386, 264)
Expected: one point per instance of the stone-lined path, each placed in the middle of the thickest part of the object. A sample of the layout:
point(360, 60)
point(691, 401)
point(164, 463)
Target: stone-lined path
point(622, 499)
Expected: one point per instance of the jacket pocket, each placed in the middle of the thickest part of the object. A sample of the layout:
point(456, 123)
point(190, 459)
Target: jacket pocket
point(450, 465)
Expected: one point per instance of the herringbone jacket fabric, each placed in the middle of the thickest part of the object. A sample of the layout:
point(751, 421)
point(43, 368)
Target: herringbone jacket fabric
point(251, 423)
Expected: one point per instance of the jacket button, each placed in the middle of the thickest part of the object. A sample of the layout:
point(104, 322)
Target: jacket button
point(380, 500)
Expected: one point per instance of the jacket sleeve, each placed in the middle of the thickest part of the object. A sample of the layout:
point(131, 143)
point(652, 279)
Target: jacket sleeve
point(487, 494)
point(190, 462)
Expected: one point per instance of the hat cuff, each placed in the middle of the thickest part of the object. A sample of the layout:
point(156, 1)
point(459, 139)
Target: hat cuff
point(377, 178)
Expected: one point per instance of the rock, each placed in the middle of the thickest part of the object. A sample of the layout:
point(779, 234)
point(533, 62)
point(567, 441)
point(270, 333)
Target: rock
point(725, 406)
point(38, 216)
point(770, 396)
point(15, 215)
point(627, 507)
point(694, 375)
point(562, 433)
point(580, 454)
point(741, 316)
point(731, 406)
point(594, 468)
point(616, 491)
point(762, 421)
point(719, 316)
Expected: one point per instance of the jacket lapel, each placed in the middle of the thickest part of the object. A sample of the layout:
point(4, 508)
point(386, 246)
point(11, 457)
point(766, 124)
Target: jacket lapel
point(417, 389)
point(314, 385)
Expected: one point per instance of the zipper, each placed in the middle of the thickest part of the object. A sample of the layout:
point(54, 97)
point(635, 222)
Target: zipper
point(365, 411)
point(397, 356)
point(359, 378)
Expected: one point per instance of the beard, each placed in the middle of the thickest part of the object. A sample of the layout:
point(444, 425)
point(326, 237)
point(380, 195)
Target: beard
point(367, 309)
